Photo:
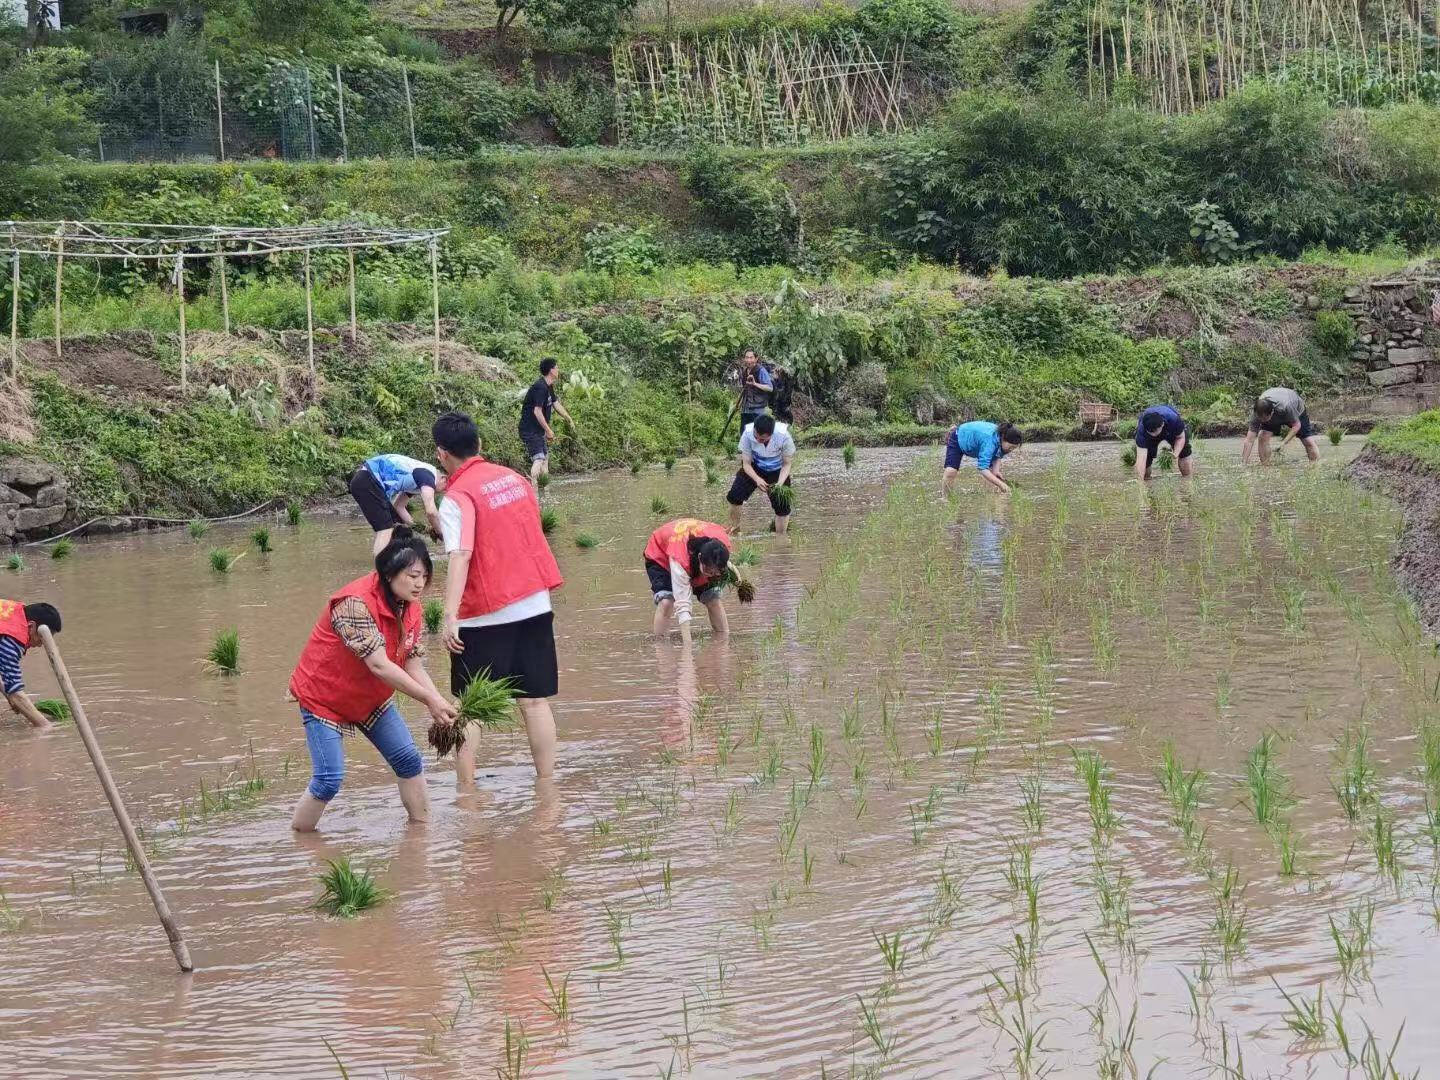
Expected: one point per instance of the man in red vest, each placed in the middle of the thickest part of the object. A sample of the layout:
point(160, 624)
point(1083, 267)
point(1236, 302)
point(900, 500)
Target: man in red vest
point(498, 619)
point(686, 559)
point(19, 624)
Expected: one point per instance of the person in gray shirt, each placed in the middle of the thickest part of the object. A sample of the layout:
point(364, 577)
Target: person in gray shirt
point(1279, 411)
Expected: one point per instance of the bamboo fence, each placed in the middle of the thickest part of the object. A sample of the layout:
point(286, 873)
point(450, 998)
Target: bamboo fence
point(1182, 56)
point(782, 90)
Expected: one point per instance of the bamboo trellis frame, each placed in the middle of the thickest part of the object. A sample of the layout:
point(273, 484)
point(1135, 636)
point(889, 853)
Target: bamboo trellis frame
point(783, 89)
point(1182, 56)
point(161, 244)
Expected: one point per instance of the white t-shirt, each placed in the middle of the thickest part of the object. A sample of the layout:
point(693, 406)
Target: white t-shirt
point(527, 607)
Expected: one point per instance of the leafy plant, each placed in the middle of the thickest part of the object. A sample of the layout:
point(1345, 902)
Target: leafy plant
point(15, 563)
point(658, 505)
point(198, 528)
point(292, 513)
point(224, 655)
point(433, 612)
point(261, 539)
point(62, 549)
point(487, 703)
point(549, 519)
point(1334, 333)
point(585, 541)
point(345, 891)
point(54, 708)
point(221, 560)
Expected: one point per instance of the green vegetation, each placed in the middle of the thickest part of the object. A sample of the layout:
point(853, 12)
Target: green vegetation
point(1416, 438)
point(224, 655)
point(549, 519)
point(487, 703)
point(55, 709)
point(15, 563)
point(62, 549)
point(585, 541)
point(434, 614)
point(345, 891)
point(261, 539)
point(292, 513)
point(221, 560)
point(198, 528)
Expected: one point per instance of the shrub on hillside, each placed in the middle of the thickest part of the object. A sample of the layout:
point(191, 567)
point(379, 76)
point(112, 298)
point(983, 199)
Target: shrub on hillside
point(1334, 333)
point(752, 211)
point(622, 249)
point(1051, 187)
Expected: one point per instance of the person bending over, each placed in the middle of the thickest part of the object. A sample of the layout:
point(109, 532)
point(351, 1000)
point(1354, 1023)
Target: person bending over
point(1279, 411)
point(535, 430)
point(364, 647)
point(1157, 424)
point(498, 618)
point(382, 487)
point(687, 559)
point(19, 631)
point(987, 443)
point(767, 452)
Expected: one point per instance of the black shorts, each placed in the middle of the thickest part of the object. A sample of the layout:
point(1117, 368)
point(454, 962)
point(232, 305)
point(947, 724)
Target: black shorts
point(1275, 427)
point(659, 578)
point(378, 510)
point(535, 446)
point(1154, 448)
point(523, 651)
point(744, 487)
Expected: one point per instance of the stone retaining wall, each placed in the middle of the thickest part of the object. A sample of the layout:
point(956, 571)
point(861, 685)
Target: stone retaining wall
point(1397, 324)
point(32, 497)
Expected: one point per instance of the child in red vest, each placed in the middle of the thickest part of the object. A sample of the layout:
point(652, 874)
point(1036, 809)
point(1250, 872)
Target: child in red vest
point(687, 558)
point(364, 647)
point(498, 618)
point(19, 624)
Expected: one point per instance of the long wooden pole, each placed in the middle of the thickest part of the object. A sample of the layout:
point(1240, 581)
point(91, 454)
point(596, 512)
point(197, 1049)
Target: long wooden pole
point(112, 796)
point(224, 289)
point(340, 96)
point(59, 279)
point(410, 112)
point(184, 345)
point(309, 318)
point(219, 114)
point(14, 312)
point(354, 326)
point(435, 297)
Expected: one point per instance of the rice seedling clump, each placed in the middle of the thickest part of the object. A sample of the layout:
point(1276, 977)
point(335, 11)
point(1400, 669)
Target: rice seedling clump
point(847, 454)
point(345, 891)
point(62, 549)
point(224, 655)
point(1127, 457)
point(585, 541)
point(221, 560)
point(486, 702)
point(549, 519)
point(54, 708)
point(261, 539)
point(433, 611)
point(199, 527)
point(292, 512)
point(659, 506)
point(15, 563)
point(1335, 435)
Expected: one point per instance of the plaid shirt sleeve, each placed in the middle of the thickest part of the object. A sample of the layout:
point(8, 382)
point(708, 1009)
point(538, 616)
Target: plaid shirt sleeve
point(10, 653)
point(356, 626)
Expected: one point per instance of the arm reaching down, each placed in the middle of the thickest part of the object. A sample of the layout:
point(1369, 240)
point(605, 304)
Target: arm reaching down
point(684, 595)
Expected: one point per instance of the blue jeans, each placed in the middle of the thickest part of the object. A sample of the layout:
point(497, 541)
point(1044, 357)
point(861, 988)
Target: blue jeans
point(388, 734)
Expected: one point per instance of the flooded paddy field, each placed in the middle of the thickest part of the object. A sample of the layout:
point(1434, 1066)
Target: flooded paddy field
point(1091, 781)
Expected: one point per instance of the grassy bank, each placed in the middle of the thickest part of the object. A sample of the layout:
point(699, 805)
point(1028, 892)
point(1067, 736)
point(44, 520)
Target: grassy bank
point(1416, 439)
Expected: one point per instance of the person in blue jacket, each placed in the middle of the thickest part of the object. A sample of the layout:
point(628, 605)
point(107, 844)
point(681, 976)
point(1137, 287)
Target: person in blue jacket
point(987, 443)
point(1161, 424)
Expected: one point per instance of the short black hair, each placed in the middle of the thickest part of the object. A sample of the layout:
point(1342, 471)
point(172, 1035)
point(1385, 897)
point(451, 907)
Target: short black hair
point(764, 424)
point(1157, 420)
point(457, 433)
point(1011, 434)
point(547, 365)
point(43, 615)
point(713, 553)
point(1264, 407)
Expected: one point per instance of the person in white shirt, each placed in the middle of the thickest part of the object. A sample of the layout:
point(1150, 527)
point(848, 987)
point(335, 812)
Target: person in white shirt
point(767, 451)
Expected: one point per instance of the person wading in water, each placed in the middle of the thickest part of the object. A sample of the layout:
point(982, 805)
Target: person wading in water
point(1279, 410)
point(19, 632)
point(767, 451)
point(535, 430)
point(1157, 424)
point(498, 620)
point(364, 647)
point(382, 488)
point(987, 443)
point(686, 559)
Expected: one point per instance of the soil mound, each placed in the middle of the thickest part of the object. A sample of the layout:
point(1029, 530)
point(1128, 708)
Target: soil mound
point(1417, 556)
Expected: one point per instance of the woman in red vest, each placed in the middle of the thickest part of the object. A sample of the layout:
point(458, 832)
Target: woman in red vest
point(19, 624)
point(498, 618)
point(364, 647)
point(687, 558)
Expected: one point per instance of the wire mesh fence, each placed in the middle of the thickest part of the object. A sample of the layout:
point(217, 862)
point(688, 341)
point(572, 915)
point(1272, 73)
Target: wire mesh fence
point(285, 111)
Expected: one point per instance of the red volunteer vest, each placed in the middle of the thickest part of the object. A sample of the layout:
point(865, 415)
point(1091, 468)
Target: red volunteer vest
point(510, 558)
point(672, 541)
point(330, 680)
point(12, 622)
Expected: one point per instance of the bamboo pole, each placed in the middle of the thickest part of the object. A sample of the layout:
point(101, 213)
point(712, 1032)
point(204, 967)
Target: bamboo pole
point(435, 297)
point(184, 348)
point(309, 317)
point(14, 313)
point(410, 112)
point(340, 96)
point(59, 280)
point(220, 269)
point(219, 114)
point(117, 805)
point(354, 327)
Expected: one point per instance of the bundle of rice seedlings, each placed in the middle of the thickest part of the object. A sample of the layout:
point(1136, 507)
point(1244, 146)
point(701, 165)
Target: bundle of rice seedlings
point(221, 560)
point(636, 466)
point(1127, 457)
point(261, 539)
point(488, 702)
point(224, 655)
point(15, 562)
point(62, 549)
point(548, 520)
point(746, 555)
point(347, 891)
point(669, 462)
point(1167, 459)
point(1335, 435)
point(784, 496)
point(292, 512)
point(744, 588)
point(585, 541)
point(847, 453)
point(542, 481)
point(54, 708)
point(659, 505)
point(434, 612)
point(199, 527)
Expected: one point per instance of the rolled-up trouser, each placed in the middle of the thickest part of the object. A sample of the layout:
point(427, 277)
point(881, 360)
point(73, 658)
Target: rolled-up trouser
point(387, 733)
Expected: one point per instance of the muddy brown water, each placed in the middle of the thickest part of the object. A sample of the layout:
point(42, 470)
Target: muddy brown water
point(716, 907)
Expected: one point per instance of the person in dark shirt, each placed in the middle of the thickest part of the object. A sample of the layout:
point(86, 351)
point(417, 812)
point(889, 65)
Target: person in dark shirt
point(1279, 411)
point(535, 430)
point(19, 632)
point(756, 388)
point(1161, 424)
